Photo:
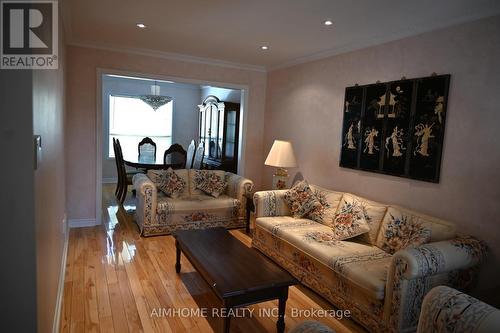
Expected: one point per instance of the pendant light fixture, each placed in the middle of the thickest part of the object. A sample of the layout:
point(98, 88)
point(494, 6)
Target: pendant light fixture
point(155, 100)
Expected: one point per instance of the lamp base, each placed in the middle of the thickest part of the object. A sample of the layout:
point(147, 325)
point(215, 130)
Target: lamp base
point(280, 179)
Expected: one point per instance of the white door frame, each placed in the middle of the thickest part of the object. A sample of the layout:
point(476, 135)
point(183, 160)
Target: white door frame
point(99, 114)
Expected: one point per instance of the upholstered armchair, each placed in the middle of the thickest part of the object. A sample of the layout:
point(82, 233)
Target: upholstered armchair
point(447, 310)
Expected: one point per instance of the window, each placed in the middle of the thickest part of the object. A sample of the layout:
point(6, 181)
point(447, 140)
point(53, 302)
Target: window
point(130, 120)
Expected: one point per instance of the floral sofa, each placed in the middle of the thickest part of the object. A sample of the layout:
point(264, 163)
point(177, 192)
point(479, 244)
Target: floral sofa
point(377, 275)
point(447, 310)
point(158, 214)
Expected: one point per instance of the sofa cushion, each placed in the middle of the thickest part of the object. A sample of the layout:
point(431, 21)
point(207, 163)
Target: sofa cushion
point(440, 229)
point(349, 220)
point(329, 200)
point(171, 184)
point(373, 213)
point(192, 183)
point(158, 178)
point(301, 199)
point(401, 229)
point(210, 182)
point(365, 266)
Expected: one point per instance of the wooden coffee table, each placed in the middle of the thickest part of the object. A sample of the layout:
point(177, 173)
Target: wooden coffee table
point(237, 274)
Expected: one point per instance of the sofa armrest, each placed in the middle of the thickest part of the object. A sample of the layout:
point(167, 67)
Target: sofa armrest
point(441, 257)
point(414, 271)
point(146, 200)
point(239, 187)
point(445, 309)
point(270, 203)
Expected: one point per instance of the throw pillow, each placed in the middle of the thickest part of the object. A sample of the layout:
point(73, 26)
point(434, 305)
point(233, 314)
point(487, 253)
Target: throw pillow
point(400, 230)
point(155, 176)
point(329, 200)
point(171, 184)
point(209, 182)
point(301, 199)
point(349, 220)
point(373, 213)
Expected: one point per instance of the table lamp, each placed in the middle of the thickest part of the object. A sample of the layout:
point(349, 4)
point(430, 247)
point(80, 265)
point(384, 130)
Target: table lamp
point(281, 156)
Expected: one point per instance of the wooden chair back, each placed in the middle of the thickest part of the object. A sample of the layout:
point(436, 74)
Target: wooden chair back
point(190, 154)
point(198, 156)
point(147, 147)
point(175, 155)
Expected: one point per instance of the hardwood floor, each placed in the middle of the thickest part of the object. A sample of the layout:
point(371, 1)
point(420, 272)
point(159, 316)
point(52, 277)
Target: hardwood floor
point(117, 281)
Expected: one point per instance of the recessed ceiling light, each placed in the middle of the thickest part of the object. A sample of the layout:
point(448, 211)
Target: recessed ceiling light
point(141, 25)
point(328, 22)
point(264, 47)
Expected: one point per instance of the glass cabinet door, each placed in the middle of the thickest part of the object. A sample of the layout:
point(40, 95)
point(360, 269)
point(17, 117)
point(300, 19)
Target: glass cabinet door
point(230, 134)
point(214, 131)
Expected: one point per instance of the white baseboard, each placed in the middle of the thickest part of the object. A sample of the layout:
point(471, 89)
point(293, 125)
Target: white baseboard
point(80, 223)
point(60, 287)
point(111, 180)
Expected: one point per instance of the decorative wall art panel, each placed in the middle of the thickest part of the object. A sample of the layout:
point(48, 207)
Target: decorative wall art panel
point(351, 127)
point(396, 127)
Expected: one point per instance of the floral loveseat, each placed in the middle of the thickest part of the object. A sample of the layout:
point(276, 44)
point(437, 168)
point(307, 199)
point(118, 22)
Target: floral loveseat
point(381, 276)
point(158, 214)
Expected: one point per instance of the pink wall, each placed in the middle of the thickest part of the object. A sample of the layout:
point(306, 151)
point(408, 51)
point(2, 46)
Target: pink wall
point(50, 203)
point(81, 115)
point(304, 105)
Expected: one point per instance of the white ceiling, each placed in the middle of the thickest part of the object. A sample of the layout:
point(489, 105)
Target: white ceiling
point(232, 31)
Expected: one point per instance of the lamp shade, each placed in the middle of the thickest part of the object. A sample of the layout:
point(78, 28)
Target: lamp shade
point(281, 155)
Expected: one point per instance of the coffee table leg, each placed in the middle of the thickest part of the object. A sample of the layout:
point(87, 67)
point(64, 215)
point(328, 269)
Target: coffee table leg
point(280, 324)
point(177, 257)
point(227, 318)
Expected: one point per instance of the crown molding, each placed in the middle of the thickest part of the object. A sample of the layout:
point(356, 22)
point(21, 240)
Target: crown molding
point(370, 41)
point(171, 56)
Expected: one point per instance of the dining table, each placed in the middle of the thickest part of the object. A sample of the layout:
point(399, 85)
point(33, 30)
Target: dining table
point(149, 162)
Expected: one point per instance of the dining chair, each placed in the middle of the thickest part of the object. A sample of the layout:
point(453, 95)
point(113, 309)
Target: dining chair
point(175, 156)
point(118, 169)
point(198, 156)
point(147, 147)
point(190, 154)
point(124, 177)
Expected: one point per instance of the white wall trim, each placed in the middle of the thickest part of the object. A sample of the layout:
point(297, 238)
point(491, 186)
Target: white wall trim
point(109, 180)
point(81, 223)
point(171, 56)
point(62, 274)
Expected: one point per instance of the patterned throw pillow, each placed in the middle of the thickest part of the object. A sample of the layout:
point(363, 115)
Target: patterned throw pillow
point(373, 212)
point(400, 230)
point(329, 200)
point(350, 220)
point(301, 199)
point(209, 182)
point(170, 183)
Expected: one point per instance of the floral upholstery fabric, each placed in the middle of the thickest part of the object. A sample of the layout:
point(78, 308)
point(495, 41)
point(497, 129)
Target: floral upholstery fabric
point(416, 270)
point(329, 200)
point(301, 199)
point(157, 214)
point(311, 326)
point(362, 266)
point(210, 182)
point(300, 246)
point(349, 220)
point(271, 203)
point(175, 185)
point(171, 184)
point(373, 213)
point(400, 230)
point(447, 310)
